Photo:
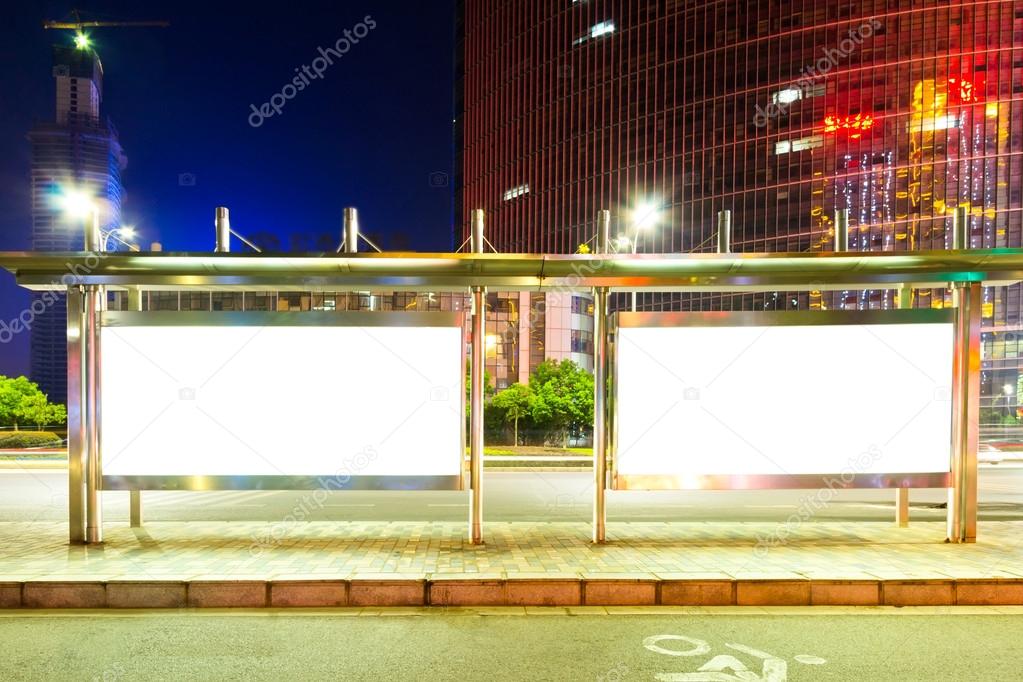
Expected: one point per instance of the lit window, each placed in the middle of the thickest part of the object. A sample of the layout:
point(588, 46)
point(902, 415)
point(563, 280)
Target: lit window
point(854, 125)
point(787, 96)
point(597, 30)
point(963, 90)
point(798, 145)
point(794, 93)
point(516, 192)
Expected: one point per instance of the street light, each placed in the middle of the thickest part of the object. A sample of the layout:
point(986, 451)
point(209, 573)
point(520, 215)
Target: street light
point(120, 234)
point(77, 204)
point(643, 217)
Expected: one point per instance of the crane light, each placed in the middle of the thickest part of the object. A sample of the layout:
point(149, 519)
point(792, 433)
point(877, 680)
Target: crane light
point(82, 41)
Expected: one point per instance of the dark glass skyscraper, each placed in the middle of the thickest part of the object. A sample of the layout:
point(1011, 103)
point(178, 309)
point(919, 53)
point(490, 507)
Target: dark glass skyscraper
point(781, 112)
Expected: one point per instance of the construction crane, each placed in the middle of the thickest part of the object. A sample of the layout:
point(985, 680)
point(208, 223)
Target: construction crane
point(82, 39)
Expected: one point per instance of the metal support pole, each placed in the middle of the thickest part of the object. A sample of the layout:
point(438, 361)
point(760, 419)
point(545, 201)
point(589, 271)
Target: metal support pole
point(960, 228)
point(77, 442)
point(93, 306)
point(600, 389)
point(724, 231)
point(842, 229)
point(351, 230)
point(477, 368)
point(902, 494)
point(135, 508)
point(962, 497)
point(222, 220)
point(135, 496)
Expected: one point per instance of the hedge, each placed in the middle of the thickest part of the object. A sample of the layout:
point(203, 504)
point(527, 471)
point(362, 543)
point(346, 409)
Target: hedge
point(29, 439)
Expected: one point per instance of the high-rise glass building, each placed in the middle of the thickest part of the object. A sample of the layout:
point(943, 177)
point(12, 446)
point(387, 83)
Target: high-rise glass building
point(783, 113)
point(78, 152)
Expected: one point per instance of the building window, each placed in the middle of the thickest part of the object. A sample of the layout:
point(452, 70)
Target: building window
point(794, 93)
point(515, 192)
point(596, 31)
point(582, 305)
point(798, 145)
point(582, 341)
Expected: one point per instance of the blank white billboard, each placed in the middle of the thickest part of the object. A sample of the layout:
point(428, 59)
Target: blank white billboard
point(778, 400)
point(282, 401)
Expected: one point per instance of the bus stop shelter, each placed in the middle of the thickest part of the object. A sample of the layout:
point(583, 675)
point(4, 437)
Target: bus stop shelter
point(86, 277)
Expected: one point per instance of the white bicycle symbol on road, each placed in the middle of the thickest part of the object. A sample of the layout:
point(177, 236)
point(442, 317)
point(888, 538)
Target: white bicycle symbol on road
point(773, 668)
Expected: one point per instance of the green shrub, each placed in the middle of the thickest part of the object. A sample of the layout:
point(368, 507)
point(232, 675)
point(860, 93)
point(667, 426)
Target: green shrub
point(29, 439)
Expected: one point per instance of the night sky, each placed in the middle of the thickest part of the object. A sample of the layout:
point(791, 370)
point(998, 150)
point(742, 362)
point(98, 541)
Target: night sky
point(374, 132)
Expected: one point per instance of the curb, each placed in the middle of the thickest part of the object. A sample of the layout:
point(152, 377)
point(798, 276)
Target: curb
point(493, 590)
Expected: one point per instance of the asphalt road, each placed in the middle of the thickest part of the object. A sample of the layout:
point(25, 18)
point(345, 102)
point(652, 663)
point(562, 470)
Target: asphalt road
point(508, 496)
point(445, 645)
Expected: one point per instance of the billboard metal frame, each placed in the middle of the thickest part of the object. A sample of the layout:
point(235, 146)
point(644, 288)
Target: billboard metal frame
point(962, 509)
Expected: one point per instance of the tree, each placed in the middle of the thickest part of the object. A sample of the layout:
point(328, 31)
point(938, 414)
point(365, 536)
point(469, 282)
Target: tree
point(488, 389)
point(514, 402)
point(562, 397)
point(21, 402)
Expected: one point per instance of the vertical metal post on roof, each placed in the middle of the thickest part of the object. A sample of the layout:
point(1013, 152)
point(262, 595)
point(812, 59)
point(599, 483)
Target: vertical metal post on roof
point(600, 367)
point(351, 230)
point(476, 369)
point(960, 229)
point(222, 221)
point(842, 229)
point(962, 498)
point(724, 231)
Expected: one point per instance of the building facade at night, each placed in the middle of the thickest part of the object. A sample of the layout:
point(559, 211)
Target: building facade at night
point(781, 113)
point(78, 151)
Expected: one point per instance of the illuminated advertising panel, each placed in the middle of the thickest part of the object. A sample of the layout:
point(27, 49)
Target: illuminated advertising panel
point(351, 400)
point(782, 394)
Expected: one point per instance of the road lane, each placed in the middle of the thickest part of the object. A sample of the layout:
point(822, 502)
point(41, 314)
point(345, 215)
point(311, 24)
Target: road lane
point(443, 644)
point(509, 496)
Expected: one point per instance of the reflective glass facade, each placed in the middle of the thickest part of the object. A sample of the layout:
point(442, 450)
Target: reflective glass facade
point(783, 113)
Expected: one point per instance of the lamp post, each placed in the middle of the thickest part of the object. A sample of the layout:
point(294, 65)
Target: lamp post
point(644, 217)
point(85, 304)
point(120, 234)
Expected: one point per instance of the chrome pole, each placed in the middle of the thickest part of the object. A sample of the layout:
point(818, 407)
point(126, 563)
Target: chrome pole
point(960, 229)
point(222, 220)
point(724, 231)
point(135, 496)
point(93, 305)
point(600, 388)
point(477, 368)
point(842, 229)
point(351, 230)
point(902, 494)
point(77, 440)
point(962, 498)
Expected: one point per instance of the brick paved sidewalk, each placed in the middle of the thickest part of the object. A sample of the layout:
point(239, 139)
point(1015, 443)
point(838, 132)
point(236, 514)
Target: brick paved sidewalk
point(698, 563)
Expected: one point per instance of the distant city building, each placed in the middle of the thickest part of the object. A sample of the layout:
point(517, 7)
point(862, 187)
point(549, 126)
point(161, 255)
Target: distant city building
point(782, 113)
point(77, 150)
